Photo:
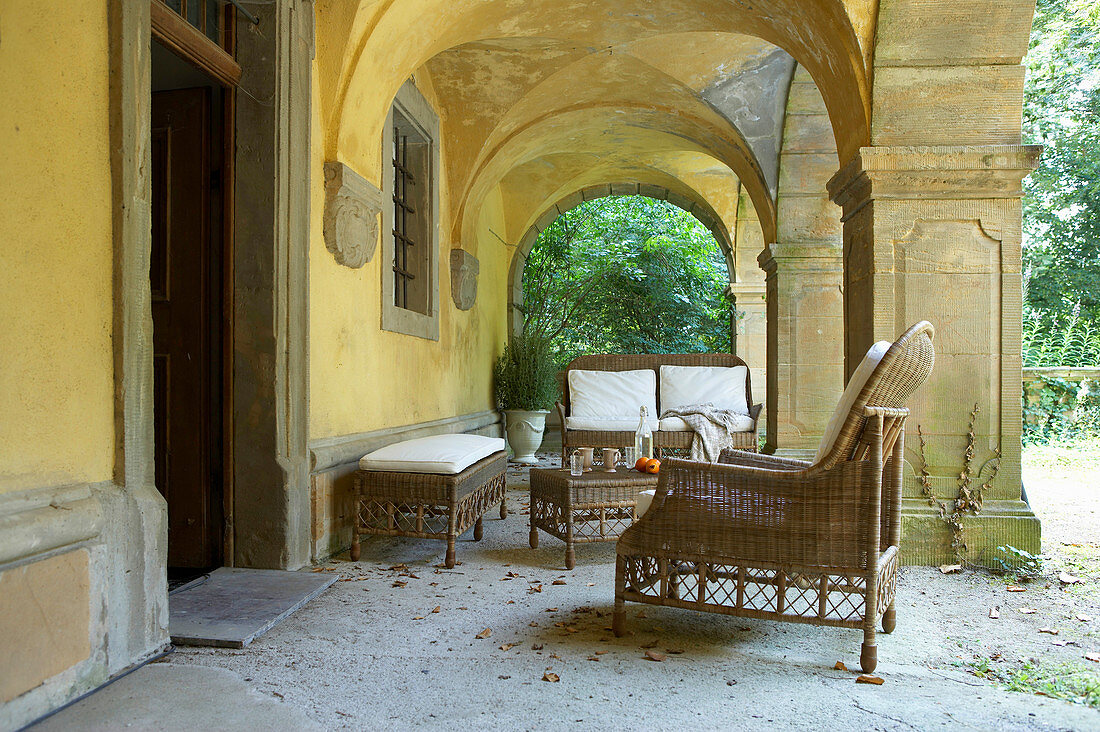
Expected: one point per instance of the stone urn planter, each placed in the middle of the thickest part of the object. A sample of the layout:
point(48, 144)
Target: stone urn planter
point(525, 428)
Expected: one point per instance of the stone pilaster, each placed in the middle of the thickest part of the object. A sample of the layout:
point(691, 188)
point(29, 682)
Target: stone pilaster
point(748, 331)
point(804, 342)
point(933, 233)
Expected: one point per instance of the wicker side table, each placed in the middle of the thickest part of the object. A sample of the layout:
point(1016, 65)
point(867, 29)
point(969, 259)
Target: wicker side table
point(595, 506)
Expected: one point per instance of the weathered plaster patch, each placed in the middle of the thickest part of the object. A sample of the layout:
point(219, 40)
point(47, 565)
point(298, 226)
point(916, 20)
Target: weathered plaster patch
point(753, 99)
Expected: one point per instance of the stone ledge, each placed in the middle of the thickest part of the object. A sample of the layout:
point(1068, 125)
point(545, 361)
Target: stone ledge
point(36, 522)
point(926, 539)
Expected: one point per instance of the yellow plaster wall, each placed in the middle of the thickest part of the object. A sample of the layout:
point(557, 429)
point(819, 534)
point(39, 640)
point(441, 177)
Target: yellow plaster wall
point(56, 370)
point(363, 378)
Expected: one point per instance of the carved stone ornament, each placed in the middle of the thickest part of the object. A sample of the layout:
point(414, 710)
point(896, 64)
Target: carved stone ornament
point(352, 206)
point(464, 271)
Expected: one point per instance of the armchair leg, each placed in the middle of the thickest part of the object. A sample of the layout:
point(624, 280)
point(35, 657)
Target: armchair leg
point(618, 619)
point(889, 619)
point(504, 508)
point(478, 529)
point(868, 654)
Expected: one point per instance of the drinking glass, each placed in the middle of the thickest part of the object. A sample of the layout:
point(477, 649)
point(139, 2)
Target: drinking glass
point(576, 464)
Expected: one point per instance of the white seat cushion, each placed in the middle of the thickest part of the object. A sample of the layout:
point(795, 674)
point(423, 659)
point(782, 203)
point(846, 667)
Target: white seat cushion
point(722, 386)
point(607, 425)
point(741, 423)
point(645, 500)
point(851, 393)
point(445, 454)
point(617, 395)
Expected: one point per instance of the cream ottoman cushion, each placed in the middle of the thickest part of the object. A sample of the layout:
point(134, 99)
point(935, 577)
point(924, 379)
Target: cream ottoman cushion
point(445, 454)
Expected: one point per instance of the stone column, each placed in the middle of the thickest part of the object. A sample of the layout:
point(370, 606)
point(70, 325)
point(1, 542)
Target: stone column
point(933, 233)
point(804, 343)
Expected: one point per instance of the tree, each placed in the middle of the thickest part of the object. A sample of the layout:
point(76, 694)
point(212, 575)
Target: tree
point(1062, 199)
point(627, 274)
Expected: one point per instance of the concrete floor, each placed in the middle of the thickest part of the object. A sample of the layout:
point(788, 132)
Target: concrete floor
point(370, 653)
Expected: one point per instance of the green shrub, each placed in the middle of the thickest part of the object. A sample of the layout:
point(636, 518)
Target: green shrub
point(524, 377)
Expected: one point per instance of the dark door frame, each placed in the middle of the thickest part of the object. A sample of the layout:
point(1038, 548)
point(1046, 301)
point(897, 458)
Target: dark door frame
point(190, 44)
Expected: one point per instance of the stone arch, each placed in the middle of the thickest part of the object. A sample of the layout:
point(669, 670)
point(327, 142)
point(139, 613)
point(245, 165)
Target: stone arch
point(697, 207)
point(832, 43)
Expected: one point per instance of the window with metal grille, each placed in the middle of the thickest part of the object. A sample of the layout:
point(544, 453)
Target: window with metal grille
point(410, 225)
point(411, 188)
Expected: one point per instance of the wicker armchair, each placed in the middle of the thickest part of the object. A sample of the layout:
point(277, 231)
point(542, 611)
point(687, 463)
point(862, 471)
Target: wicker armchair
point(768, 537)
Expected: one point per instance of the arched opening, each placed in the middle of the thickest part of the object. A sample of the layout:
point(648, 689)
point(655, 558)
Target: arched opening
point(626, 274)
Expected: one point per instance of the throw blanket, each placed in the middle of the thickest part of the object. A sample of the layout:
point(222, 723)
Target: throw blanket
point(713, 428)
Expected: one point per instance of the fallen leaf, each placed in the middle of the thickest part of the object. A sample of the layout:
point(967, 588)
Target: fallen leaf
point(655, 656)
point(1094, 657)
point(549, 676)
point(419, 617)
point(1084, 618)
point(1049, 631)
point(464, 608)
point(600, 653)
point(1015, 588)
point(510, 602)
point(593, 658)
point(554, 655)
point(839, 666)
point(537, 646)
point(558, 582)
point(533, 589)
point(508, 646)
point(1028, 610)
point(437, 608)
point(399, 583)
point(532, 624)
point(951, 568)
point(1068, 579)
point(731, 682)
point(651, 644)
point(485, 633)
point(995, 612)
point(869, 679)
point(550, 610)
point(591, 584)
point(399, 567)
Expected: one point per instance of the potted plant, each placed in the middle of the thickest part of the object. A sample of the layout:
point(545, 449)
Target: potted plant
point(525, 386)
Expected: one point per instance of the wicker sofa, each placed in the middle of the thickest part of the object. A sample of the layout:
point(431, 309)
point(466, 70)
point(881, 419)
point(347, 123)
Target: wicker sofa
point(666, 442)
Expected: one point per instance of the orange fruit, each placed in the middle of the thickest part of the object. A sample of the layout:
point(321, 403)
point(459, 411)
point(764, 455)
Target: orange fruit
point(653, 465)
point(640, 464)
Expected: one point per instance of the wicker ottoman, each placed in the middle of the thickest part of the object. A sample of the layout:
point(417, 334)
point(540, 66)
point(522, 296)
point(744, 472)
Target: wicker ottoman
point(428, 505)
point(594, 506)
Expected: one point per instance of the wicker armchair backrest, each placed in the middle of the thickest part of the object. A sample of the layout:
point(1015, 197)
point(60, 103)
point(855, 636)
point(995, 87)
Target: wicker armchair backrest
point(901, 371)
point(653, 361)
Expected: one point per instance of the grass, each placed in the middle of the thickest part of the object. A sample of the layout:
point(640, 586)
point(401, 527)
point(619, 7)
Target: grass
point(1080, 455)
point(1067, 682)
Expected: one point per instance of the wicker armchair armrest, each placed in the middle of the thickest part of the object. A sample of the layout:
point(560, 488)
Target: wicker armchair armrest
point(759, 460)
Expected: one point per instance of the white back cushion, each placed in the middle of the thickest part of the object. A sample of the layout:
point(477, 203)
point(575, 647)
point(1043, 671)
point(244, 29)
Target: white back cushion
point(851, 392)
point(722, 386)
point(612, 394)
point(448, 454)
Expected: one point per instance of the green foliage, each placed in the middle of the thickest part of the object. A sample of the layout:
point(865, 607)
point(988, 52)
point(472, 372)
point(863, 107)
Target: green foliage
point(1072, 683)
point(1022, 564)
point(627, 274)
point(1058, 411)
point(1062, 200)
point(524, 377)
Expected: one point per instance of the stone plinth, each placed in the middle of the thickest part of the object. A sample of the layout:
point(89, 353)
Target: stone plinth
point(933, 233)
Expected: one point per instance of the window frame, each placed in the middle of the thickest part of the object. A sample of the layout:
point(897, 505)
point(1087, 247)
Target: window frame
point(416, 111)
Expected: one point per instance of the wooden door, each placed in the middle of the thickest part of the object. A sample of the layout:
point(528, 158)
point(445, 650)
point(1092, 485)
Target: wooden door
point(183, 294)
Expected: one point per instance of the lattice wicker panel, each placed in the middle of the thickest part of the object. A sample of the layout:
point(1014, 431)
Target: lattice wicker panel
point(733, 589)
point(474, 504)
point(549, 516)
point(600, 523)
point(403, 518)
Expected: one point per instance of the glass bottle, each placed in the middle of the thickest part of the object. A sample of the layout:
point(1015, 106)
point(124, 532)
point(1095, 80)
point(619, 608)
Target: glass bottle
point(643, 438)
